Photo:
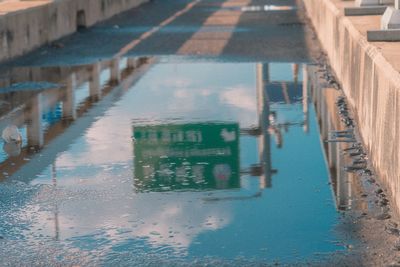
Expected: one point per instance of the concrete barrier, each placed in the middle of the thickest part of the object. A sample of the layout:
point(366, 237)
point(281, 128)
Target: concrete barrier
point(26, 25)
point(369, 74)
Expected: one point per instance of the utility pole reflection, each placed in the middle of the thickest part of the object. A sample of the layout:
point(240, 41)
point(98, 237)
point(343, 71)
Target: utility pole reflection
point(264, 140)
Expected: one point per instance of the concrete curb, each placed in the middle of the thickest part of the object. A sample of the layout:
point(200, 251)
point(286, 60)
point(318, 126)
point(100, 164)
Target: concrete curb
point(25, 29)
point(370, 79)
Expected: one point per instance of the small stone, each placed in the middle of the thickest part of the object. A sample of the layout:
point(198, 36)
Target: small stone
point(393, 231)
point(383, 204)
point(367, 172)
point(57, 45)
point(397, 246)
point(378, 191)
point(383, 216)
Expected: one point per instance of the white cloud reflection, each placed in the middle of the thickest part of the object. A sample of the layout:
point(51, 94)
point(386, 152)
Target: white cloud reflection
point(174, 220)
point(240, 97)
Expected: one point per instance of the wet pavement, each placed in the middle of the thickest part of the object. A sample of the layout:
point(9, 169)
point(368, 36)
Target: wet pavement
point(234, 30)
point(189, 137)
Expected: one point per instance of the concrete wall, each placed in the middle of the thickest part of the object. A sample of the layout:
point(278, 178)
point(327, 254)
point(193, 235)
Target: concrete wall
point(27, 29)
point(370, 81)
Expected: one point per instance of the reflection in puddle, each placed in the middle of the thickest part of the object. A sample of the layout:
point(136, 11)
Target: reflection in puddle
point(195, 156)
point(152, 158)
point(345, 183)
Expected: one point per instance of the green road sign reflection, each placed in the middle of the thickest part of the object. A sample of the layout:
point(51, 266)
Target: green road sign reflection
point(187, 156)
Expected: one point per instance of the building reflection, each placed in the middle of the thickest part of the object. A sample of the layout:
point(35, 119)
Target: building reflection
point(346, 185)
point(50, 115)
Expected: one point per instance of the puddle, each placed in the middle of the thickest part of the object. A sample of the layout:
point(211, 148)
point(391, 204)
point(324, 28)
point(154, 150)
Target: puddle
point(161, 161)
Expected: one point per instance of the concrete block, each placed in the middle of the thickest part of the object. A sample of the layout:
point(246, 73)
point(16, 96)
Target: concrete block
point(361, 3)
point(390, 19)
point(392, 35)
point(364, 11)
